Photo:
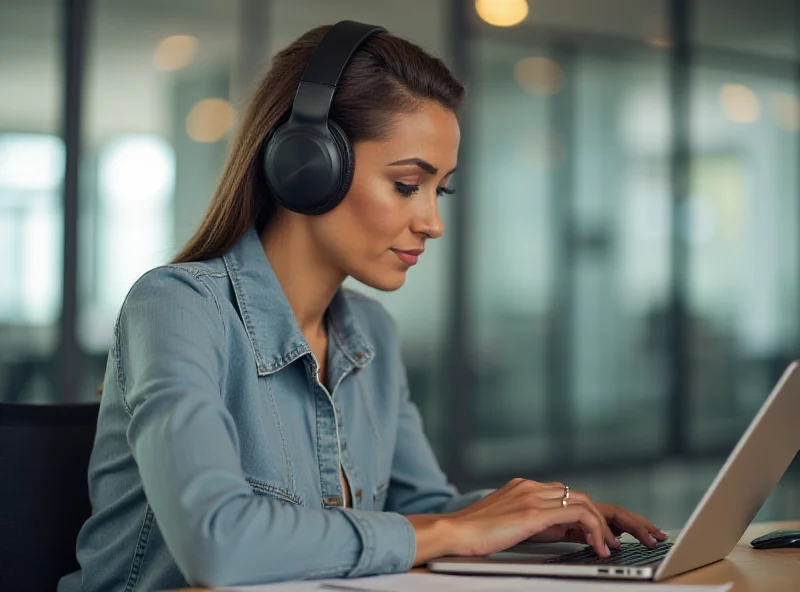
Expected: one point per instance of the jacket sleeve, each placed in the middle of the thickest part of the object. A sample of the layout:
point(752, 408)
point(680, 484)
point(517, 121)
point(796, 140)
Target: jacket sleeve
point(417, 484)
point(171, 360)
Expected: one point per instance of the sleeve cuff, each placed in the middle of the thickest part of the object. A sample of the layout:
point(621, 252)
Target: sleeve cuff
point(389, 544)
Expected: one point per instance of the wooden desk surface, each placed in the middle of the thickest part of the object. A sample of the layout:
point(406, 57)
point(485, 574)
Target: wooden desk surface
point(775, 570)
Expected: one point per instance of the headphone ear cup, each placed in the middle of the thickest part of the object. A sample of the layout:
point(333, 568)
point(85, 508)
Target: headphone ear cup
point(327, 161)
point(348, 163)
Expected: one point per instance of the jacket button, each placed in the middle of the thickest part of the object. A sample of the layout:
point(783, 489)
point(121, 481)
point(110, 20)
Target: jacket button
point(359, 356)
point(359, 494)
point(333, 501)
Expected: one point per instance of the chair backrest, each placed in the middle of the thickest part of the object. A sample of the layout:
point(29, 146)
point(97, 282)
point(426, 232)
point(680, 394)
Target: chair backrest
point(44, 495)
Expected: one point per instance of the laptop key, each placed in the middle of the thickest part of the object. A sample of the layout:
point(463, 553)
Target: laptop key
point(627, 554)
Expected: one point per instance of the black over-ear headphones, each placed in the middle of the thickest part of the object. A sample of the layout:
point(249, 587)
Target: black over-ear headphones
point(308, 160)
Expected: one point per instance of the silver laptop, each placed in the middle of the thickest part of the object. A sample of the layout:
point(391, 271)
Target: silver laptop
point(751, 472)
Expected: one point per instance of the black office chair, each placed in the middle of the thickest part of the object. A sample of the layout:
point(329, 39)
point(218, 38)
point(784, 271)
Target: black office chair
point(44, 496)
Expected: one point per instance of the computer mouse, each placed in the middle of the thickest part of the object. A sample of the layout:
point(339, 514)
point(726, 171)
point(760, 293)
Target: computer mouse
point(777, 539)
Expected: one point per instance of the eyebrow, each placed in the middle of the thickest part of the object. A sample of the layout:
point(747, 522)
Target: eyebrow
point(424, 165)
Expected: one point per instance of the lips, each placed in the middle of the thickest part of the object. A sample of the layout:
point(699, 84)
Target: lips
point(408, 257)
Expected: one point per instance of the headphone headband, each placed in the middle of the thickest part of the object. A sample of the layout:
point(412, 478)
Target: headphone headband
point(312, 101)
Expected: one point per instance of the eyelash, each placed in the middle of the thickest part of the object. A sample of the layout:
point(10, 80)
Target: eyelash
point(409, 190)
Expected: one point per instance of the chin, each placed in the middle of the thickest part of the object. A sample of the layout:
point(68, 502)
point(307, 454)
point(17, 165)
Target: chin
point(385, 282)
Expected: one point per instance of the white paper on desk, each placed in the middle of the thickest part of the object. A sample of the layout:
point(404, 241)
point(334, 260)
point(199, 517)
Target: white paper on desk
point(415, 582)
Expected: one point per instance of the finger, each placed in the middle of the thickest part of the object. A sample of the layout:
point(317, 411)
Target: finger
point(534, 500)
point(582, 514)
point(548, 491)
point(539, 491)
point(652, 528)
point(608, 536)
point(616, 529)
point(637, 526)
point(542, 495)
point(575, 534)
point(554, 485)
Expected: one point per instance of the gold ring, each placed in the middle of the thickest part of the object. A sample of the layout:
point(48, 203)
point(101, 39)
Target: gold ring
point(566, 496)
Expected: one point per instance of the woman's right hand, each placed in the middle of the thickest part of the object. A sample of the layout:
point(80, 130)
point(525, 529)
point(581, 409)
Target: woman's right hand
point(518, 511)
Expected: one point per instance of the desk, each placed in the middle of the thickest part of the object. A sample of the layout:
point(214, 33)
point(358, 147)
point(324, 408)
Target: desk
point(776, 570)
point(773, 570)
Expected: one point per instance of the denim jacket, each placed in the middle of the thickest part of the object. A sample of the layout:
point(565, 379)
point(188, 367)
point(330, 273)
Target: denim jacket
point(217, 455)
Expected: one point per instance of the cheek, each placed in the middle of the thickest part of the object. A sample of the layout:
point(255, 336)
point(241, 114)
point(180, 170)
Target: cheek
point(376, 217)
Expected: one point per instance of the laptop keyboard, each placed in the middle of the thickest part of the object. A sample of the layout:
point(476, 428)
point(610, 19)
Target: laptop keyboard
point(627, 554)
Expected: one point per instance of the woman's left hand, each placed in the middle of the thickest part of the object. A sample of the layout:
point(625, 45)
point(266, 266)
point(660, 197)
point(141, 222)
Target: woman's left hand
point(619, 521)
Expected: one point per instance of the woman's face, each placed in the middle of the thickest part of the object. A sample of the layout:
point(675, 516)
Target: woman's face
point(392, 209)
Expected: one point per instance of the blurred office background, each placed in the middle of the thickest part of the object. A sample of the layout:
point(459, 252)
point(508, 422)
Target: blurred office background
point(618, 287)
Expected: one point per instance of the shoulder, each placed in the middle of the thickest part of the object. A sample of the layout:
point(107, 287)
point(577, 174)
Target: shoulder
point(170, 319)
point(173, 277)
point(174, 286)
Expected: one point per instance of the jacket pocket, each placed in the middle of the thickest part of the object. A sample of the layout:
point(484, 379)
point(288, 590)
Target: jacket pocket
point(379, 496)
point(279, 493)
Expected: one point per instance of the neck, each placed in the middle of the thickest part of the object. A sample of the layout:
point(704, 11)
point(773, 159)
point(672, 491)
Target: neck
point(309, 282)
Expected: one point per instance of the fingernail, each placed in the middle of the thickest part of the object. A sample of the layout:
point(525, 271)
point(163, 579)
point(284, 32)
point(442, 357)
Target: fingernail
point(653, 540)
point(607, 551)
point(662, 534)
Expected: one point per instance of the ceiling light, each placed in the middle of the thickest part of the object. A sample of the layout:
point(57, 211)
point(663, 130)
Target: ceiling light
point(209, 120)
point(739, 103)
point(173, 53)
point(502, 13)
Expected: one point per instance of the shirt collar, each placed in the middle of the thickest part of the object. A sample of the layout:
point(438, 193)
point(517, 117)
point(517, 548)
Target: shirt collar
point(269, 320)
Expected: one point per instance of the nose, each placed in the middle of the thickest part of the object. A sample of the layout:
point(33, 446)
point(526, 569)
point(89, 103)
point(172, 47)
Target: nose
point(427, 219)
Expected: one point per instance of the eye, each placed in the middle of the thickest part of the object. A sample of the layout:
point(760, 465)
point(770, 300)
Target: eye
point(405, 189)
point(408, 190)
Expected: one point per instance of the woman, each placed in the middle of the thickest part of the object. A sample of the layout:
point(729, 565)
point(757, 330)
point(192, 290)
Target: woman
point(255, 423)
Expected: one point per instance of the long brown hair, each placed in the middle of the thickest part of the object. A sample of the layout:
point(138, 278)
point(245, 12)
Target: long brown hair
point(386, 76)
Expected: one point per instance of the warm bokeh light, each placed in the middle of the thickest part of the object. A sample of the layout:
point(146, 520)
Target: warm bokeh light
point(538, 75)
point(502, 13)
point(173, 53)
point(739, 103)
point(209, 120)
point(786, 110)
